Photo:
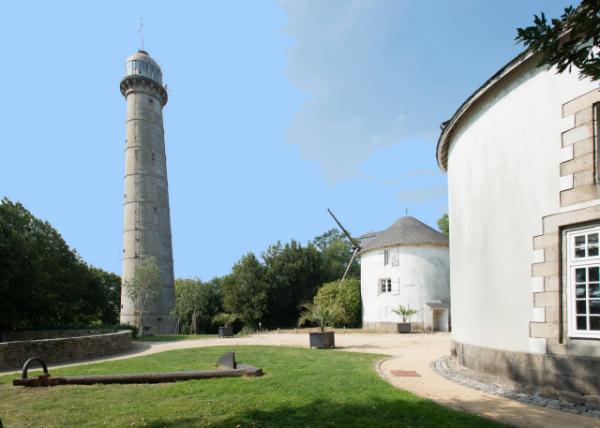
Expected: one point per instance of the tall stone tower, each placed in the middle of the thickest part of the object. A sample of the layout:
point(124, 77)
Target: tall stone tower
point(147, 224)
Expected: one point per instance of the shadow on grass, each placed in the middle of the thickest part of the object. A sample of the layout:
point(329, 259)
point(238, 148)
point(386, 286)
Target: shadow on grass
point(375, 413)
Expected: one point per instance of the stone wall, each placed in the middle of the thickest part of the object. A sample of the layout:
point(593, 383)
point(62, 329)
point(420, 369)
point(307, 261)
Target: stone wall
point(561, 373)
point(391, 327)
point(11, 336)
point(62, 350)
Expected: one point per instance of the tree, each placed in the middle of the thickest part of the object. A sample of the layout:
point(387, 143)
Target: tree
point(321, 315)
point(196, 303)
point(444, 224)
point(144, 288)
point(293, 273)
point(336, 253)
point(245, 290)
point(110, 286)
point(404, 312)
point(568, 41)
point(43, 282)
point(346, 295)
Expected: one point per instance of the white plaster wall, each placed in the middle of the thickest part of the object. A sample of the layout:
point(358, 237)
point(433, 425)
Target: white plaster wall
point(421, 275)
point(503, 177)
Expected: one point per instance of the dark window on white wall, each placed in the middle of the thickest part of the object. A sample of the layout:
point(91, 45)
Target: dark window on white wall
point(385, 285)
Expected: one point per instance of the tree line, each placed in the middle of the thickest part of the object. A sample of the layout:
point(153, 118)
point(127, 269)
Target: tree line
point(44, 283)
point(269, 290)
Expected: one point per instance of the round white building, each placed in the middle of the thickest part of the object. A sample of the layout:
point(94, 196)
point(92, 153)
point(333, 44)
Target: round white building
point(406, 264)
point(524, 208)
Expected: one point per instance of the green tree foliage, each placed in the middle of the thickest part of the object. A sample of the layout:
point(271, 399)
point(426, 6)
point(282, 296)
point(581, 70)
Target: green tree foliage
point(346, 295)
point(321, 315)
point(109, 299)
point(444, 224)
point(196, 303)
point(404, 312)
point(44, 283)
point(567, 41)
point(144, 288)
point(293, 273)
point(336, 253)
point(245, 290)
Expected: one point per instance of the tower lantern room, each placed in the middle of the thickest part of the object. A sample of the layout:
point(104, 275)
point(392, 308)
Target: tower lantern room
point(140, 67)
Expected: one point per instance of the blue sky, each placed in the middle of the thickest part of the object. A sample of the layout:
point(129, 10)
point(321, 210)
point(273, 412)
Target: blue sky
point(277, 110)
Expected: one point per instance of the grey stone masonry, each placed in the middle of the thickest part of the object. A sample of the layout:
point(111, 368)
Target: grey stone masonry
point(63, 349)
point(589, 406)
point(147, 223)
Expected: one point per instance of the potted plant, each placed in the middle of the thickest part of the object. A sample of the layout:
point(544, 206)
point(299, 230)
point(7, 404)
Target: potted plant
point(405, 313)
point(323, 316)
point(226, 330)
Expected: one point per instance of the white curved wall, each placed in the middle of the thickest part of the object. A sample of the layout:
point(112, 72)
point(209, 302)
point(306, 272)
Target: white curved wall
point(421, 275)
point(503, 177)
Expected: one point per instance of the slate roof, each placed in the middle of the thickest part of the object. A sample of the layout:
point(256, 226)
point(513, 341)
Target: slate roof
point(407, 231)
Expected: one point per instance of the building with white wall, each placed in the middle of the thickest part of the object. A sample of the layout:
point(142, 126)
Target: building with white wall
point(406, 264)
point(524, 205)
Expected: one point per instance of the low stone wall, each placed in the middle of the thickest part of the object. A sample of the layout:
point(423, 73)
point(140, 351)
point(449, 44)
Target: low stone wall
point(578, 375)
point(12, 336)
point(390, 327)
point(62, 350)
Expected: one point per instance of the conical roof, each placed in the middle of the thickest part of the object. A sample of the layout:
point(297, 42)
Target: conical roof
point(406, 231)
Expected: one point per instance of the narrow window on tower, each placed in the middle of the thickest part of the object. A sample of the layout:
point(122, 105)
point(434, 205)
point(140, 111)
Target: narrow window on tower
point(153, 157)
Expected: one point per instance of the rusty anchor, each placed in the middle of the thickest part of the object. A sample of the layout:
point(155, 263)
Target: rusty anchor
point(228, 368)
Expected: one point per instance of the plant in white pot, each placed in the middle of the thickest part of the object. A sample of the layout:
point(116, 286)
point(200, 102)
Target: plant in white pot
point(405, 313)
point(323, 316)
point(226, 330)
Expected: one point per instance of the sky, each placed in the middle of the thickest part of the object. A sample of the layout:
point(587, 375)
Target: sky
point(277, 111)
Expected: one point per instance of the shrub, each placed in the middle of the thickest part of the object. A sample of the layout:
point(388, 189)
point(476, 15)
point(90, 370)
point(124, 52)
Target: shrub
point(345, 294)
point(321, 315)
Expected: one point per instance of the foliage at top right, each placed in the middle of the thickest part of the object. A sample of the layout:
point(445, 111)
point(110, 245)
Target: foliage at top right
point(569, 41)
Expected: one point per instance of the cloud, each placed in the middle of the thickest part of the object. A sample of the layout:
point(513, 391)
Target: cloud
point(346, 57)
point(422, 195)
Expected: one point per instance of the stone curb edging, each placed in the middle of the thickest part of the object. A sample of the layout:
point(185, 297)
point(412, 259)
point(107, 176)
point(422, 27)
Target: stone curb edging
point(378, 368)
point(440, 366)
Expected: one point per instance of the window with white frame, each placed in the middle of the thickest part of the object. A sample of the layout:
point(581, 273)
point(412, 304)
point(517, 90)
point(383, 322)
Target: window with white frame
point(583, 282)
point(385, 285)
point(386, 257)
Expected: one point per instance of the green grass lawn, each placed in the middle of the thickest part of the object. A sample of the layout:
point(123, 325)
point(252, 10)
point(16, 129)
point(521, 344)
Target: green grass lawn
point(175, 337)
point(300, 388)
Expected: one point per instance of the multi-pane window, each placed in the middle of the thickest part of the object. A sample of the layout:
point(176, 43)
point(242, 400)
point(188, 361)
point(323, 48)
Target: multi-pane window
point(385, 285)
point(584, 282)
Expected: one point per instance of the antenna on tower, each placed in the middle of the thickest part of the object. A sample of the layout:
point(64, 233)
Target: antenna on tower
point(406, 211)
point(141, 29)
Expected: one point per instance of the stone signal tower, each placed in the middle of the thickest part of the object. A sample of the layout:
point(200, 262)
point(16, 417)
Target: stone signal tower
point(147, 224)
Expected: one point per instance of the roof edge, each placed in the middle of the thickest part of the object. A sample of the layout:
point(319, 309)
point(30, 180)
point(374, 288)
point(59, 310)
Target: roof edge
point(424, 244)
point(448, 126)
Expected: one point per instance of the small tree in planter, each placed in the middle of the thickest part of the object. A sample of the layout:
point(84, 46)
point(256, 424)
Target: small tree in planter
point(226, 330)
point(323, 316)
point(405, 313)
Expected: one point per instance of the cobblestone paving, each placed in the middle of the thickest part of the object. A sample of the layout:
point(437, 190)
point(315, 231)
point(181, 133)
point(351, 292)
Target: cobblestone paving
point(441, 367)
